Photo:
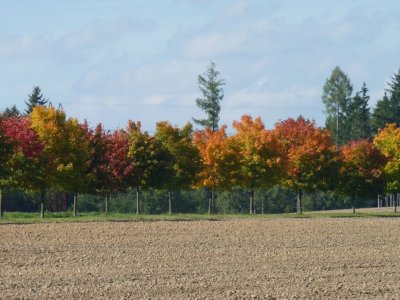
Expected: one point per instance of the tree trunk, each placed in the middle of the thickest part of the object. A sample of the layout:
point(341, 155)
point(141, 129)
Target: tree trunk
point(314, 201)
point(74, 205)
point(251, 201)
point(299, 201)
point(42, 194)
point(106, 204)
point(137, 200)
point(169, 201)
point(211, 202)
point(337, 123)
point(395, 202)
point(1, 203)
point(353, 203)
point(262, 205)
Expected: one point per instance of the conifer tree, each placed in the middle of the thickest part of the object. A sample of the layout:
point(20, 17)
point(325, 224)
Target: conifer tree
point(35, 99)
point(211, 87)
point(359, 115)
point(336, 97)
point(387, 109)
point(381, 114)
point(10, 112)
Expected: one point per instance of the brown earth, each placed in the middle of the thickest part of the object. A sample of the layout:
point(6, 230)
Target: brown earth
point(232, 259)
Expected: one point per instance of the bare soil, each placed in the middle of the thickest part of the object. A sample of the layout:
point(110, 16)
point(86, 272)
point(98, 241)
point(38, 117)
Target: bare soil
point(231, 259)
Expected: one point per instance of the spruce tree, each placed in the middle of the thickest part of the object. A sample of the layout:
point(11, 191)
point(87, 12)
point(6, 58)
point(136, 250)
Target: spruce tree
point(387, 109)
point(337, 97)
point(11, 112)
point(382, 114)
point(35, 99)
point(359, 115)
point(211, 88)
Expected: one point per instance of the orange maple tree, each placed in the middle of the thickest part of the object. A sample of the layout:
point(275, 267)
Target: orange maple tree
point(311, 154)
point(262, 159)
point(219, 159)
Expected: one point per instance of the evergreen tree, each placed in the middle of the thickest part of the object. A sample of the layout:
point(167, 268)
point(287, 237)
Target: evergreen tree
point(387, 109)
point(11, 112)
point(394, 91)
point(359, 115)
point(382, 114)
point(211, 87)
point(336, 97)
point(35, 99)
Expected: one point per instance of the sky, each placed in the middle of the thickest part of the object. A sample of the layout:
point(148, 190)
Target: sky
point(113, 61)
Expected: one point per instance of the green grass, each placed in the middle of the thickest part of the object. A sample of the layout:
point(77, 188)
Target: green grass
point(21, 218)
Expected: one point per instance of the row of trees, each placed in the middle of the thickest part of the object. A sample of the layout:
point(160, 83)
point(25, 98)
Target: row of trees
point(42, 150)
point(45, 150)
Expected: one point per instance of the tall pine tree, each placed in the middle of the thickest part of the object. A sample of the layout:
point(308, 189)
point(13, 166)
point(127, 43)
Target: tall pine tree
point(11, 112)
point(359, 115)
point(35, 99)
point(382, 114)
point(211, 87)
point(337, 97)
point(387, 109)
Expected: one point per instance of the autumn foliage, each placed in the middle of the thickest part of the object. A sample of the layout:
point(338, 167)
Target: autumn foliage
point(361, 169)
point(49, 151)
point(262, 160)
point(388, 141)
point(311, 155)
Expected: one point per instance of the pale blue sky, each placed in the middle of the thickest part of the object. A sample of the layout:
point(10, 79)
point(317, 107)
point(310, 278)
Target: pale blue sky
point(111, 61)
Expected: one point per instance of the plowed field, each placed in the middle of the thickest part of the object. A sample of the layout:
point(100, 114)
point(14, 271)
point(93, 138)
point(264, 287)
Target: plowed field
point(232, 259)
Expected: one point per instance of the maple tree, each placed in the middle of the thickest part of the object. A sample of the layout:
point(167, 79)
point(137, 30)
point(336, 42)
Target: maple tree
point(150, 159)
point(122, 170)
point(361, 169)
point(262, 159)
point(388, 141)
point(100, 154)
point(311, 155)
point(30, 167)
point(219, 161)
point(65, 142)
point(183, 161)
point(6, 148)
point(73, 170)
